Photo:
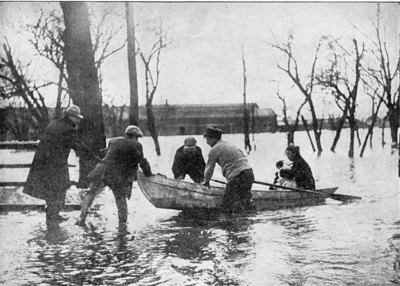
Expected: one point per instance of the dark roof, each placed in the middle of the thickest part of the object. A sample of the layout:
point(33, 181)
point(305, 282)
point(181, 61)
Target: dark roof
point(205, 110)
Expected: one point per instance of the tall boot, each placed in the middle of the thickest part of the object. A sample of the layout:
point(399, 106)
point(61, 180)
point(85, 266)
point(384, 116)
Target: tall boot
point(87, 201)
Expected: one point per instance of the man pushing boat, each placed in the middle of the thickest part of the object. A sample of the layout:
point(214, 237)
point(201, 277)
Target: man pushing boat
point(117, 171)
point(235, 168)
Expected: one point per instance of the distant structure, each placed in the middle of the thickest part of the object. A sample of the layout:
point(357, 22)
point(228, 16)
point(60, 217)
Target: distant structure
point(194, 118)
point(191, 119)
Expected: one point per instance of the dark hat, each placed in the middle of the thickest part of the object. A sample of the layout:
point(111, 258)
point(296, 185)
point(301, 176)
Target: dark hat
point(213, 132)
point(134, 131)
point(190, 142)
point(73, 110)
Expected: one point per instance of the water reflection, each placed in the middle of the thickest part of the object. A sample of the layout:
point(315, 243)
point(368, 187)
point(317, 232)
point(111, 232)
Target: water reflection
point(291, 253)
point(394, 246)
point(352, 170)
point(296, 224)
point(180, 250)
point(206, 250)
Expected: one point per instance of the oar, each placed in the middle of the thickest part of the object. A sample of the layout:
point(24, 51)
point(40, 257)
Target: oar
point(338, 197)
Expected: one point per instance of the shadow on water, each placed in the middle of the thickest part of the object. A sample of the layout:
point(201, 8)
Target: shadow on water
point(179, 251)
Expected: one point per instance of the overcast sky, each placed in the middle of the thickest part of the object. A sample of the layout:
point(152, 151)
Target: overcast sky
point(203, 64)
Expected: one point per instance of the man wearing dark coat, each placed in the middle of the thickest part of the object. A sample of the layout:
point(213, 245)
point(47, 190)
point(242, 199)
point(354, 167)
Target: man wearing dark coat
point(117, 171)
point(188, 160)
point(48, 178)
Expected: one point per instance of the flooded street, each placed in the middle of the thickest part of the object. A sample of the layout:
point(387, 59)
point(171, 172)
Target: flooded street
point(330, 244)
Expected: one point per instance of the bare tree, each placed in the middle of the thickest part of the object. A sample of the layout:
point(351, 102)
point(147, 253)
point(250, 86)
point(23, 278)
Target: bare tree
point(290, 128)
point(152, 76)
point(374, 116)
point(102, 37)
point(133, 82)
point(246, 117)
point(292, 70)
point(343, 80)
point(47, 41)
point(83, 82)
point(20, 91)
point(386, 75)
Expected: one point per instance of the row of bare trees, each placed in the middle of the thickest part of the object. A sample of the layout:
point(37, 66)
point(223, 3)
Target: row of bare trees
point(48, 36)
point(77, 50)
point(342, 74)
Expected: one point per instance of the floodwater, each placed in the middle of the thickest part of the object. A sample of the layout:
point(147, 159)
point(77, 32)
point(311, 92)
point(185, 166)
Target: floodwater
point(331, 244)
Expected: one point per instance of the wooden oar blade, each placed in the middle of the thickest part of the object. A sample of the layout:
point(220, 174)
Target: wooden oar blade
point(343, 198)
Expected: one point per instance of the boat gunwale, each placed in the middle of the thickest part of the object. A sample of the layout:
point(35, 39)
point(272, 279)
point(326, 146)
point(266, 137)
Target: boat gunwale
point(325, 192)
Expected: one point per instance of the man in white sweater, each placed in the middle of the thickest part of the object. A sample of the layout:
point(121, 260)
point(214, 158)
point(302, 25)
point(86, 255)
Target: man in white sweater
point(235, 168)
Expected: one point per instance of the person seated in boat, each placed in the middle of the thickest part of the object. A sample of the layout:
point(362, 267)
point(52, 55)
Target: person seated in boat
point(117, 171)
point(283, 179)
point(300, 171)
point(235, 168)
point(188, 160)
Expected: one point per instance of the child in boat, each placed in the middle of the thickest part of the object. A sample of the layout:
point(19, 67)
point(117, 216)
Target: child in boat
point(300, 171)
point(283, 175)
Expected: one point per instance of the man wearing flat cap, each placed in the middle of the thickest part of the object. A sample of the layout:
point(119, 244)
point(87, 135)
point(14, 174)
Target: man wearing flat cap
point(235, 168)
point(117, 171)
point(188, 160)
point(48, 178)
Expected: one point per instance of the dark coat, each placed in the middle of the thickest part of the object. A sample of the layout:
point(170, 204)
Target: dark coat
point(190, 164)
point(48, 178)
point(119, 166)
point(301, 173)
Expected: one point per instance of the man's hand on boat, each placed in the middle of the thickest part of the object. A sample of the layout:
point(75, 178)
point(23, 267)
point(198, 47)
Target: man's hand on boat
point(207, 184)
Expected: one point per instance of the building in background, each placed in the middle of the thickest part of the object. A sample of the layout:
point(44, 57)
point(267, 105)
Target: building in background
point(192, 119)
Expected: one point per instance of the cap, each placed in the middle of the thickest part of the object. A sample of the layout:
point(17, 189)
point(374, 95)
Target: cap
point(73, 110)
point(133, 130)
point(213, 132)
point(189, 143)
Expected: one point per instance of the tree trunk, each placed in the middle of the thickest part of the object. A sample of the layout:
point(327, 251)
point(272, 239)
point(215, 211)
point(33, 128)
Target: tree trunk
point(133, 83)
point(393, 117)
point(352, 133)
point(339, 128)
point(352, 124)
point(246, 130)
point(58, 113)
point(151, 126)
point(246, 118)
point(83, 82)
point(358, 135)
point(383, 130)
point(290, 136)
point(371, 128)
point(317, 133)
point(308, 132)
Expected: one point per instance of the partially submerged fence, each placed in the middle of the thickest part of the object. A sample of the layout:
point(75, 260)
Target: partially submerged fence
point(20, 204)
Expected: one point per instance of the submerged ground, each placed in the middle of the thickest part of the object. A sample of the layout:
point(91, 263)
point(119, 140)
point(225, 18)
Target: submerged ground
point(331, 244)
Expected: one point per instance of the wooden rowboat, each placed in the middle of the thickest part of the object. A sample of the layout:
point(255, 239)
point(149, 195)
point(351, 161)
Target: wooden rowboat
point(168, 193)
